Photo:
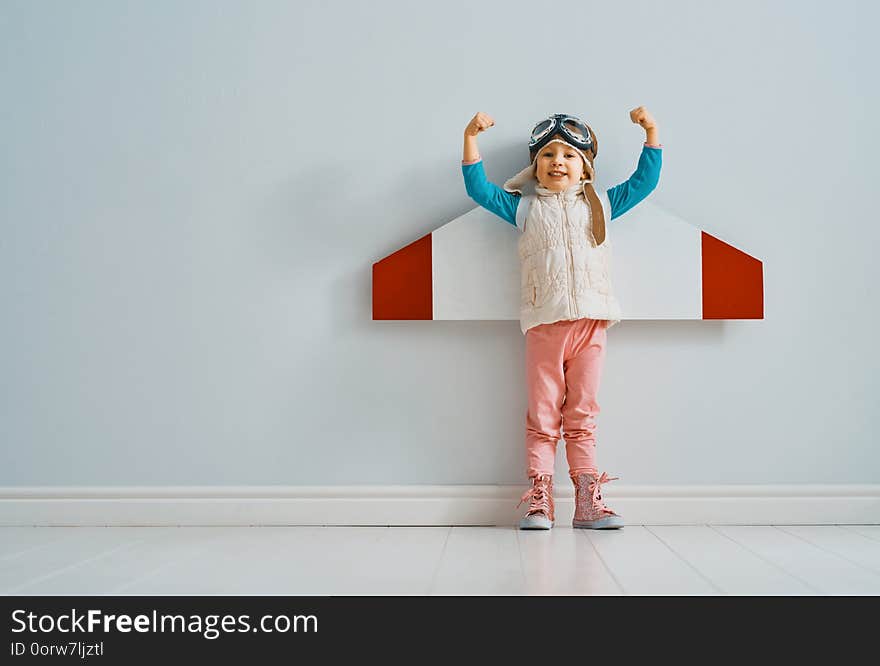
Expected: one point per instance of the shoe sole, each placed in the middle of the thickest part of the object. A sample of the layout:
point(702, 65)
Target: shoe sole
point(610, 523)
point(535, 524)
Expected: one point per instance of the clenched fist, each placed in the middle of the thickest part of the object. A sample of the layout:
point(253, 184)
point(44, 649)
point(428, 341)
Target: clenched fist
point(643, 117)
point(478, 123)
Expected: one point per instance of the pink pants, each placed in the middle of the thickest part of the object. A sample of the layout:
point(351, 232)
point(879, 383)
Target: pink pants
point(563, 367)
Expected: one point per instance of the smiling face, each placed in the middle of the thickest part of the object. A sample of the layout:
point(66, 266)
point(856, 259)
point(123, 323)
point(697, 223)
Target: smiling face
point(559, 166)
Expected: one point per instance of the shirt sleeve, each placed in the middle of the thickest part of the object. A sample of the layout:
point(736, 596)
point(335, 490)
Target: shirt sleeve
point(489, 195)
point(643, 181)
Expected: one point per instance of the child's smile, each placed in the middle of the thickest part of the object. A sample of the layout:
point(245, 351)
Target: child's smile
point(559, 167)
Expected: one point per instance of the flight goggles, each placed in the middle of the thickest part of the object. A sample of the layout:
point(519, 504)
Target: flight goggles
point(573, 129)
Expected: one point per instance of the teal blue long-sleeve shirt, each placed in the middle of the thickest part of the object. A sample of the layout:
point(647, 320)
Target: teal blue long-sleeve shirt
point(622, 197)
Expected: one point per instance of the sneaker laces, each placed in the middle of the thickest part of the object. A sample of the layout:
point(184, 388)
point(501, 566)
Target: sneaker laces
point(596, 493)
point(539, 494)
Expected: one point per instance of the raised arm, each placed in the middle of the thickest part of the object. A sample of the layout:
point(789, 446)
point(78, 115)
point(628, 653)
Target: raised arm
point(643, 117)
point(479, 123)
point(647, 174)
point(486, 194)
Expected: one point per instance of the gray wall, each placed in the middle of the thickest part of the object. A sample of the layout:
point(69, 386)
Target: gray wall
point(193, 194)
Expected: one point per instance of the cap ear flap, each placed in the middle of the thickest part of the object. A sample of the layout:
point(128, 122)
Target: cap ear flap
point(589, 175)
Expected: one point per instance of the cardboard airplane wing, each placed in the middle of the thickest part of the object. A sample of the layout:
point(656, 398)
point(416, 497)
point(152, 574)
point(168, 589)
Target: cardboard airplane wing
point(661, 268)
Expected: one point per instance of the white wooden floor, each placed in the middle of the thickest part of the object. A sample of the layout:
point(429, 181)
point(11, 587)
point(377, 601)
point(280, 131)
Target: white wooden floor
point(642, 560)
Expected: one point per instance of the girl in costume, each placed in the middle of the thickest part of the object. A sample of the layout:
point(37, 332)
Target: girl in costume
point(567, 301)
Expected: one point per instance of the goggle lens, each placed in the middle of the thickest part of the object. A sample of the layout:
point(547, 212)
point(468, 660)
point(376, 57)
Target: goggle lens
point(541, 130)
point(577, 130)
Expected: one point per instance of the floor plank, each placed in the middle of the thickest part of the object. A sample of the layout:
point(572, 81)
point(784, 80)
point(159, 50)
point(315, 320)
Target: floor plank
point(233, 560)
point(17, 541)
point(305, 561)
point(480, 561)
point(160, 548)
point(732, 568)
point(643, 565)
point(870, 531)
point(823, 571)
point(561, 562)
point(858, 549)
point(78, 546)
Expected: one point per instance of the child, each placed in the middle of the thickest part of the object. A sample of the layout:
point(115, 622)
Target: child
point(567, 303)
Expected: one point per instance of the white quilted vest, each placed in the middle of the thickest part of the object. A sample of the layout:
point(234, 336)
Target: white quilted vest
point(565, 275)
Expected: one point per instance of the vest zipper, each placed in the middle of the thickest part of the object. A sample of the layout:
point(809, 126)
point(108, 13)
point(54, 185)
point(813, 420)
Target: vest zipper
point(568, 259)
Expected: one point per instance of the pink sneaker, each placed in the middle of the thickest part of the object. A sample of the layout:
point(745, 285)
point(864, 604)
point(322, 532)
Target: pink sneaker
point(589, 510)
point(540, 514)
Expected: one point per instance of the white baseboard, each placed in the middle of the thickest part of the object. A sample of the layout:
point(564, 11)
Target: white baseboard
point(431, 505)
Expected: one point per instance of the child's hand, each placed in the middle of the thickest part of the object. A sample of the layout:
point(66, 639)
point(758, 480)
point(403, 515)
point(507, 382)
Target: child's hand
point(478, 123)
point(643, 117)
